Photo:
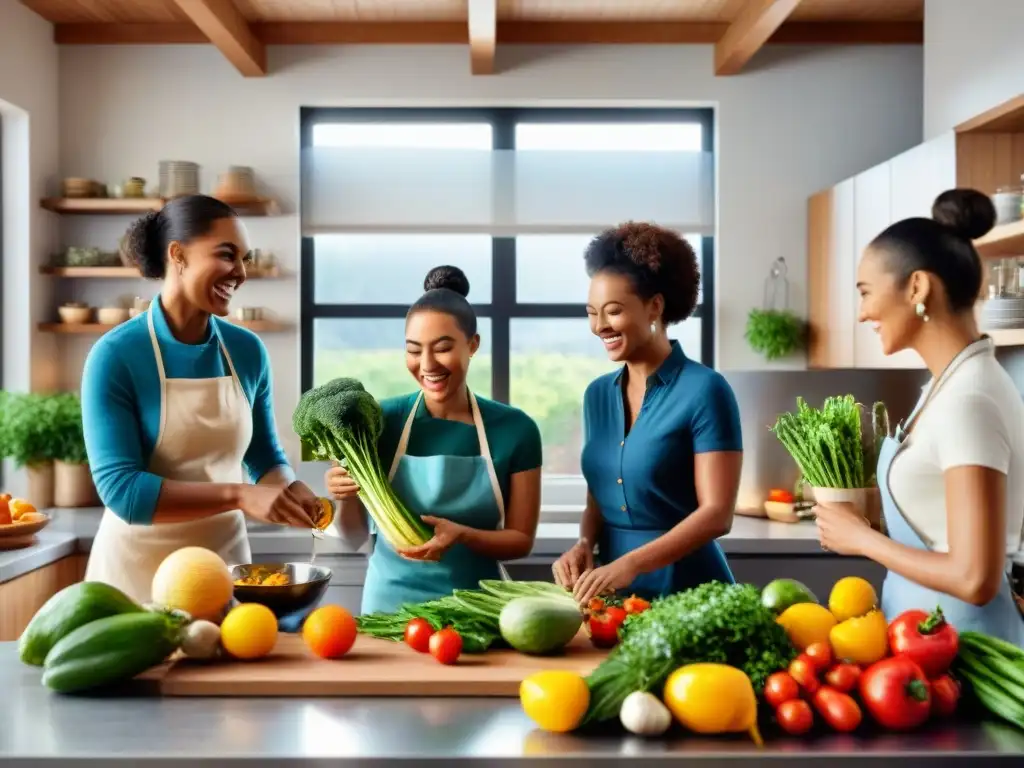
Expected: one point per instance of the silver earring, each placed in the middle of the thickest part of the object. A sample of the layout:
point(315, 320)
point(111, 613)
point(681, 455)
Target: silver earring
point(920, 309)
point(654, 327)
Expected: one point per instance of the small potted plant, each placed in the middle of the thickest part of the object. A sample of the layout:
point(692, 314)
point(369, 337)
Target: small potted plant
point(72, 481)
point(30, 440)
point(775, 333)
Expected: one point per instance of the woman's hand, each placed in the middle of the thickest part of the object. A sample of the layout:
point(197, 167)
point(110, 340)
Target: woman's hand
point(573, 564)
point(446, 533)
point(280, 506)
point(618, 574)
point(339, 484)
point(840, 528)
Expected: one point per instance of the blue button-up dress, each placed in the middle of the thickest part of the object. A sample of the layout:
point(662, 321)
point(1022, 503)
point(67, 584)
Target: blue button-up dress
point(644, 482)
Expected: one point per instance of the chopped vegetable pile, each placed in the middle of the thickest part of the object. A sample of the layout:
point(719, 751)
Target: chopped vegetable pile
point(341, 421)
point(713, 622)
point(828, 444)
point(473, 613)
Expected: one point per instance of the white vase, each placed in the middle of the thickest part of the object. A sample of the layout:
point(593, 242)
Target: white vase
point(866, 502)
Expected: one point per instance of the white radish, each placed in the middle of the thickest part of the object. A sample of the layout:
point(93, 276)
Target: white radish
point(201, 640)
point(643, 714)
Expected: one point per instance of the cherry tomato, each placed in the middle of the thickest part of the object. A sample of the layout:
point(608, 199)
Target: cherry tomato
point(417, 634)
point(446, 645)
point(635, 604)
point(804, 671)
point(843, 677)
point(780, 494)
point(945, 696)
point(795, 717)
point(838, 709)
point(780, 688)
point(820, 654)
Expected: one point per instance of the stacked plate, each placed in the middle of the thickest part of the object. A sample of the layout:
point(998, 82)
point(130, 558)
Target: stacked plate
point(1003, 312)
point(178, 178)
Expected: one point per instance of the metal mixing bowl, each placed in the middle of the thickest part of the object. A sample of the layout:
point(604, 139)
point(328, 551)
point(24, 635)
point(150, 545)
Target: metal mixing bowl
point(306, 585)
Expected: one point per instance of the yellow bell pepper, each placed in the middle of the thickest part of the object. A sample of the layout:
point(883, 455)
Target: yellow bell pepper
point(862, 640)
point(713, 698)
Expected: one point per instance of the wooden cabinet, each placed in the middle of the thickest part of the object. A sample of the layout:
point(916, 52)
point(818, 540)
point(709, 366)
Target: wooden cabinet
point(20, 598)
point(831, 265)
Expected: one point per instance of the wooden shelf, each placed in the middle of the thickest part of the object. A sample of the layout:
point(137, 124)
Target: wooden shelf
point(136, 206)
point(130, 273)
point(1007, 117)
point(257, 326)
point(1003, 241)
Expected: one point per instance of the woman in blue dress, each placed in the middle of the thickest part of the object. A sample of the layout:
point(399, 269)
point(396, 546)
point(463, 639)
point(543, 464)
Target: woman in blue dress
point(662, 445)
point(952, 477)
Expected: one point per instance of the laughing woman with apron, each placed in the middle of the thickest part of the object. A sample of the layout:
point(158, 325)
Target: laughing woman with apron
point(952, 477)
point(177, 407)
point(470, 467)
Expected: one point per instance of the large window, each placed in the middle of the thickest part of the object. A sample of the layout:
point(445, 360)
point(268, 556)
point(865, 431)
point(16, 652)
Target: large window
point(507, 195)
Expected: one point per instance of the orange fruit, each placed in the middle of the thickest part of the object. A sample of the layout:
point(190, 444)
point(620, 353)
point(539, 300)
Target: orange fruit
point(329, 631)
point(20, 508)
point(249, 631)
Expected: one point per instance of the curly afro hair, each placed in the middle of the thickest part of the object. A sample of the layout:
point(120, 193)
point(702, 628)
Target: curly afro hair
point(656, 260)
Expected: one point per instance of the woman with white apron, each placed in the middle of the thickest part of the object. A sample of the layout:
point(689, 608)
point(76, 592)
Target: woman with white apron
point(469, 466)
point(951, 478)
point(177, 406)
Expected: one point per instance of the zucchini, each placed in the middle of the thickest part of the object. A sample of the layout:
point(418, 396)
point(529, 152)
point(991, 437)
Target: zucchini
point(69, 609)
point(111, 650)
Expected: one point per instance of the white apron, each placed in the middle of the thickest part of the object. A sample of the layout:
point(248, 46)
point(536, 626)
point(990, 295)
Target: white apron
point(205, 429)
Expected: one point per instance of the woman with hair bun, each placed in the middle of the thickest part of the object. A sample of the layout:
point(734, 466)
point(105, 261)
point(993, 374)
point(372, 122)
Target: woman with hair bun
point(469, 466)
point(177, 407)
point(952, 477)
point(662, 445)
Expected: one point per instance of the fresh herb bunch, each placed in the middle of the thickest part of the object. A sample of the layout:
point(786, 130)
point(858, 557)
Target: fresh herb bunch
point(828, 444)
point(774, 333)
point(67, 425)
point(30, 433)
point(714, 622)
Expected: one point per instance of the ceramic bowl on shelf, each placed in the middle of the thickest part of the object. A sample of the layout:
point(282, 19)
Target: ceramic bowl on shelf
point(74, 314)
point(112, 315)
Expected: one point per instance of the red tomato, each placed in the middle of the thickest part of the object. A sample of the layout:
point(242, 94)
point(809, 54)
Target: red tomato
point(782, 495)
point(635, 604)
point(945, 696)
point(417, 634)
point(804, 671)
point(896, 693)
point(926, 638)
point(838, 709)
point(780, 688)
point(820, 654)
point(446, 645)
point(794, 717)
point(843, 677)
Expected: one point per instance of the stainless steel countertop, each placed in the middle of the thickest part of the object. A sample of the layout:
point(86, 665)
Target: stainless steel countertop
point(73, 530)
point(41, 728)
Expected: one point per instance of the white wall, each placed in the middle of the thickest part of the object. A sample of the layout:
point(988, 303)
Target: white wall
point(973, 59)
point(799, 120)
point(28, 143)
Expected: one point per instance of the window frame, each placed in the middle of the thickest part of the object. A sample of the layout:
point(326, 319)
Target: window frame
point(503, 307)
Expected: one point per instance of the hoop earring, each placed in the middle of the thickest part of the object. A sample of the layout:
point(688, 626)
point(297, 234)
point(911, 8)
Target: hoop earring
point(920, 309)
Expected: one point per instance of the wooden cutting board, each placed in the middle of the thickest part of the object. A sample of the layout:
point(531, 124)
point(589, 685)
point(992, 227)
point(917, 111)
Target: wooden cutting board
point(372, 668)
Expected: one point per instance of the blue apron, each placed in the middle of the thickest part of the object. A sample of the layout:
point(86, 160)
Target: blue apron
point(999, 618)
point(463, 489)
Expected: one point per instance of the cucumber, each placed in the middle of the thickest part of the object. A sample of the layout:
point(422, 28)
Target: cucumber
point(111, 650)
point(539, 625)
point(69, 609)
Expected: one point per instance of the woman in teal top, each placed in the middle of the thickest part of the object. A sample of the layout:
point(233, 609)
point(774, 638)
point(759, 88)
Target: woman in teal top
point(662, 446)
point(469, 466)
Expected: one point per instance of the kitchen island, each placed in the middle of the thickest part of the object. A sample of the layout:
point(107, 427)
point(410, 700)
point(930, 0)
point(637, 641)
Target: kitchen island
point(133, 727)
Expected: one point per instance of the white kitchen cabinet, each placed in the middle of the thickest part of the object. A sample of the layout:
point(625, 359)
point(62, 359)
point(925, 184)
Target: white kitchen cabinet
point(920, 174)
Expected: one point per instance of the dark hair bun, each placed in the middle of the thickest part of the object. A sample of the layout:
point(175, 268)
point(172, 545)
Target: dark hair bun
point(142, 245)
point(452, 278)
point(967, 212)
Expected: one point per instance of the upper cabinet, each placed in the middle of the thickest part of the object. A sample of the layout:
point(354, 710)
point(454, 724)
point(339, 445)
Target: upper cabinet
point(986, 153)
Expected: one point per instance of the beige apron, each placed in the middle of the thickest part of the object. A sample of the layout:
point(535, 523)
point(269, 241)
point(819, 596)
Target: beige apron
point(205, 429)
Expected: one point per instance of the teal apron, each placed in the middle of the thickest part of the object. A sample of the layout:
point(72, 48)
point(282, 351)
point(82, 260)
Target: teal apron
point(1001, 616)
point(463, 489)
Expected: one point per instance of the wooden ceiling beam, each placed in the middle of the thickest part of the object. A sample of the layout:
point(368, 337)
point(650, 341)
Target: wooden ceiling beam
point(227, 29)
point(483, 35)
point(757, 22)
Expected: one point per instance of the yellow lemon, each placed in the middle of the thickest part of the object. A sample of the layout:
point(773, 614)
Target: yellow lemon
point(249, 631)
point(713, 699)
point(807, 623)
point(851, 597)
point(556, 701)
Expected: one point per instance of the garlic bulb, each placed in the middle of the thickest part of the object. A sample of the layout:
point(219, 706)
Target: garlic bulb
point(643, 713)
point(201, 640)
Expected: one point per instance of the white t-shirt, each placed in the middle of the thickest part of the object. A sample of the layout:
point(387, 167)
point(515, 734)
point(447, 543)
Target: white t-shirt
point(976, 418)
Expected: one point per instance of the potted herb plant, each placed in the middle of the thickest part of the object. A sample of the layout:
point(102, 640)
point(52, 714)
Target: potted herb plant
point(775, 333)
point(835, 456)
point(30, 440)
point(72, 481)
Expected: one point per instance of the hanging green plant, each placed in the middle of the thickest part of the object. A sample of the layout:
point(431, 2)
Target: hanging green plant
point(774, 333)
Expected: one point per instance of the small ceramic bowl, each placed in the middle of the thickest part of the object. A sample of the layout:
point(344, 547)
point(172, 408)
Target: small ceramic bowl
point(74, 315)
point(112, 315)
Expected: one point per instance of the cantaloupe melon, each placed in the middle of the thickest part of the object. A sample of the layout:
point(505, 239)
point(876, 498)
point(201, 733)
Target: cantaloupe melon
point(195, 580)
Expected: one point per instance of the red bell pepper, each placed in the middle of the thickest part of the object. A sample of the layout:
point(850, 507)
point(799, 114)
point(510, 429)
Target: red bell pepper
point(635, 604)
point(925, 638)
point(603, 626)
